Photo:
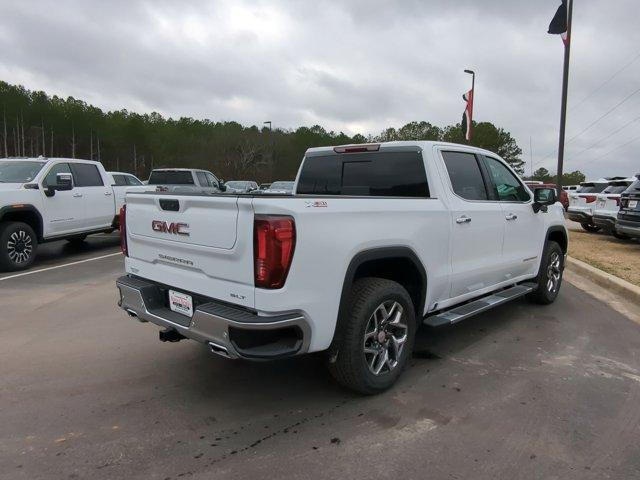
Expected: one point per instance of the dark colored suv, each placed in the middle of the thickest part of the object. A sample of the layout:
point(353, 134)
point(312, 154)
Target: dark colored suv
point(628, 222)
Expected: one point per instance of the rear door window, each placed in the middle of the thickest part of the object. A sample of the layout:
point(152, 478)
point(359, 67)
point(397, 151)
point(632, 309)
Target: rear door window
point(202, 179)
point(466, 177)
point(86, 175)
point(374, 174)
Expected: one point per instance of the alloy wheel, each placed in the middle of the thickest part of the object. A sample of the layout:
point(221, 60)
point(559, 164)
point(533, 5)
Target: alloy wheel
point(385, 337)
point(19, 247)
point(554, 272)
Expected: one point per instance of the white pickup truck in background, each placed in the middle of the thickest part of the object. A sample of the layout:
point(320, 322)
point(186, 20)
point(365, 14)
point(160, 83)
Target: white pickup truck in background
point(122, 183)
point(185, 180)
point(45, 199)
point(375, 241)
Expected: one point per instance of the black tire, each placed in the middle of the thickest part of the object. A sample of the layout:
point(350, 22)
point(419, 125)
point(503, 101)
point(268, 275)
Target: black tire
point(619, 236)
point(590, 228)
point(77, 240)
point(549, 279)
point(18, 245)
point(350, 365)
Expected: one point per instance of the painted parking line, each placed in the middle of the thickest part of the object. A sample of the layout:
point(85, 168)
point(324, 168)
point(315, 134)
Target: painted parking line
point(60, 266)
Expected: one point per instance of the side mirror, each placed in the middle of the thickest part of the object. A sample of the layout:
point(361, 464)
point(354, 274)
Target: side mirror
point(64, 182)
point(542, 198)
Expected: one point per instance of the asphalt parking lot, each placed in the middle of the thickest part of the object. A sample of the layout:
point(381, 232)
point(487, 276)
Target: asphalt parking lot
point(520, 392)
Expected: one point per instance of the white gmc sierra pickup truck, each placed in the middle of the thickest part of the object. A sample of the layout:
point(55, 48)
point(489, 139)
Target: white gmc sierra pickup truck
point(376, 240)
point(45, 199)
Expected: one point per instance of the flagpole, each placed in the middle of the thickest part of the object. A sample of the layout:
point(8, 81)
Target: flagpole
point(565, 90)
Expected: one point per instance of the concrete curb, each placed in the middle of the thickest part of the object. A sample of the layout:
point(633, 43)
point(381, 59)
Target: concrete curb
point(603, 279)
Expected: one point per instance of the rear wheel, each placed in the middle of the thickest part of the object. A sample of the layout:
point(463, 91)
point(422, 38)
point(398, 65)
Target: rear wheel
point(590, 228)
point(376, 338)
point(549, 277)
point(18, 244)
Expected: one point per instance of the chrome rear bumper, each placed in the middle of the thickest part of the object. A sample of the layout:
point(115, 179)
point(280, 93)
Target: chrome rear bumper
point(228, 331)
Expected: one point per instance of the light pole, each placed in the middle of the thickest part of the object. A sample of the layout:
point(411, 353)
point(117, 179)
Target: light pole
point(271, 147)
point(472, 99)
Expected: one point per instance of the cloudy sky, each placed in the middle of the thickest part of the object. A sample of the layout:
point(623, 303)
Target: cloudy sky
point(351, 65)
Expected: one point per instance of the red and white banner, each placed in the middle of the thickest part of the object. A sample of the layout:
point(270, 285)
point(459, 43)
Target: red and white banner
point(467, 116)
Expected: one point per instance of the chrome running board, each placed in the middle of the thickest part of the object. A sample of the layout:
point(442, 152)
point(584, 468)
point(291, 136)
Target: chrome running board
point(456, 314)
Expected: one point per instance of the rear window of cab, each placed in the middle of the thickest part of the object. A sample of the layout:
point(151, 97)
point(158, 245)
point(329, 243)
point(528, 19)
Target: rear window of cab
point(372, 174)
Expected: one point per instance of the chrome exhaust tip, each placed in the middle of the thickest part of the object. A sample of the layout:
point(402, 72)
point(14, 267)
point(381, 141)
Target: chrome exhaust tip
point(219, 350)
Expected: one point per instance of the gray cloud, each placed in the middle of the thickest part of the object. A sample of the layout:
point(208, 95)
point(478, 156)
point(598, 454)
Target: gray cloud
point(356, 66)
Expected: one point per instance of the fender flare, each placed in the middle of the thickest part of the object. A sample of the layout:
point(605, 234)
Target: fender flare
point(378, 253)
point(556, 228)
point(25, 207)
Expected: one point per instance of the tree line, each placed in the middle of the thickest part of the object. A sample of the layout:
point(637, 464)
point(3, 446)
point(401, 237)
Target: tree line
point(34, 124)
point(571, 178)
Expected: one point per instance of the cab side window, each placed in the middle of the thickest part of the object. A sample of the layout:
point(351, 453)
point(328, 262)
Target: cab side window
point(50, 178)
point(119, 180)
point(213, 181)
point(131, 180)
point(507, 186)
point(466, 177)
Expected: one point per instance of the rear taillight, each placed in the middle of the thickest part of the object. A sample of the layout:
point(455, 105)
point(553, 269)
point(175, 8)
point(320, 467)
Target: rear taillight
point(123, 230)
point(617, 199)
point(274, 240)
point(590, 198)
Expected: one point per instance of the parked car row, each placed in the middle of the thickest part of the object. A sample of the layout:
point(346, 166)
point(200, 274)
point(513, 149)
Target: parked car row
point(608, 204)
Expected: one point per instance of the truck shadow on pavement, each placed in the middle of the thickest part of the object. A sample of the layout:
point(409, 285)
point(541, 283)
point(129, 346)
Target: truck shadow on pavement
point(61, 251)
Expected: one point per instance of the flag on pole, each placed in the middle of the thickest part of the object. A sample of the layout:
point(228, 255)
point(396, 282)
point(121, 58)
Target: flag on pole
point(467, 116)
point(559, 23)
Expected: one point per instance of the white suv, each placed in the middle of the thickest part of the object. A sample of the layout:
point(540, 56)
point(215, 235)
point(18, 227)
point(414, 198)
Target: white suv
point(608, 205)
point(582, 203)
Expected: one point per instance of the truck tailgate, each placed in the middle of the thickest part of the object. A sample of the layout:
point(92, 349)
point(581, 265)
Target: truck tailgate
point(193, 241)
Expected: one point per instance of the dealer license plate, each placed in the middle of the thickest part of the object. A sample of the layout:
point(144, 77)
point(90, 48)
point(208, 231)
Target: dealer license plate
point(633, 203)
point(181, 303)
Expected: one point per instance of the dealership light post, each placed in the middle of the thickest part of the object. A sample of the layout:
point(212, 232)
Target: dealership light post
point(271, 144)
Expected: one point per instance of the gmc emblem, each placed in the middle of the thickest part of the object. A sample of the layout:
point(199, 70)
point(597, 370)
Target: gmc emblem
point(174, 228)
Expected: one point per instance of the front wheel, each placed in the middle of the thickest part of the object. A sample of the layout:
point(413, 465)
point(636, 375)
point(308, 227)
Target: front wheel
point(376, 336)
point(18, 244)
point(549, 277)
point(590, 228)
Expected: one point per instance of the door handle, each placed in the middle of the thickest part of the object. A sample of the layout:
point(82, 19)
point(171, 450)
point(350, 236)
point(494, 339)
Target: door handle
point(511, 216)
point(108, 194)
point(77, 195)
point(463, 219)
